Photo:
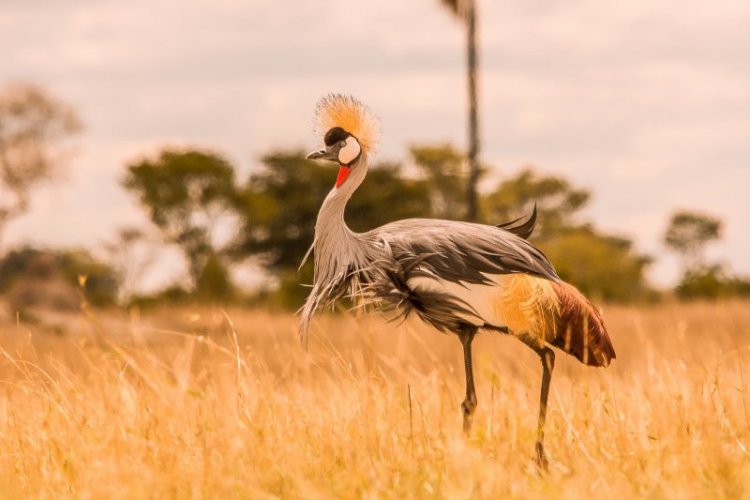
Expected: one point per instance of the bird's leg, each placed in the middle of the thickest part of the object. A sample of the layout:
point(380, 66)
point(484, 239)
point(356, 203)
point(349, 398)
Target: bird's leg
point(470, 403)
point(547, 356)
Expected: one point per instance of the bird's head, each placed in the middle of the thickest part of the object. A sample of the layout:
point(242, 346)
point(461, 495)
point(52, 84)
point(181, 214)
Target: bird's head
point(349, 133)
point(341, 147)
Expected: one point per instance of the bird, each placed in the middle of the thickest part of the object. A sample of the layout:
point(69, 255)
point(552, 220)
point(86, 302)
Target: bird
point(459, 277)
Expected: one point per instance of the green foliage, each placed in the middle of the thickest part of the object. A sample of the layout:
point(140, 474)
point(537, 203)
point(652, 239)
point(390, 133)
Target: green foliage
point(707, 283)
point(38, 271)
point(186, 193)
point(173, 294)
point(291, 292)
point(34, 128)
point(442, 167)
point(386, 196)
point(557, 201)
point(279, 206)
point(601, 266)
point(100, 283)
point(711, 282)
point(688, 233)
point(214, 283)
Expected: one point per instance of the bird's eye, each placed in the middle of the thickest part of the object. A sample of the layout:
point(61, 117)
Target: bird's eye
point(342, 144)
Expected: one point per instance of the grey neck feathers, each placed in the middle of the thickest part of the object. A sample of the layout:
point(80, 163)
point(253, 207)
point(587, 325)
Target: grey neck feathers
point(336, 246)
point(339, 252)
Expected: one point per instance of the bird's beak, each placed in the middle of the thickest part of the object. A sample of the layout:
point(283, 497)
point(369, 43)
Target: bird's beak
point(324, 154)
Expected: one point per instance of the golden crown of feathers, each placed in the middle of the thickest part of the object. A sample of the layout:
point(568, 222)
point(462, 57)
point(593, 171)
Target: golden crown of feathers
point(338, 110)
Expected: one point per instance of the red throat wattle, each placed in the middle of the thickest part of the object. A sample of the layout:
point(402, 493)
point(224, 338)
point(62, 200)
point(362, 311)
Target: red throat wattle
point(343, 174)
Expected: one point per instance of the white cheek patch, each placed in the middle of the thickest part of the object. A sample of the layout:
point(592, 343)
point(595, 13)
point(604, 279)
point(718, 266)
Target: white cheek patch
point(348, 153)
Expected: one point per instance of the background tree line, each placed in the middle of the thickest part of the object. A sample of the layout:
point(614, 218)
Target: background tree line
point(275, 209)
point(197, 204)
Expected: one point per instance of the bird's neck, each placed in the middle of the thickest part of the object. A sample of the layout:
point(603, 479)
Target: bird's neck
point(331, 214)
point(335, 243)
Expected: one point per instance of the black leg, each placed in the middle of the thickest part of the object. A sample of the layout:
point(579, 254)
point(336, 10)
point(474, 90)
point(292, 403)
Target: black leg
point(470, 403)
point(547, 356)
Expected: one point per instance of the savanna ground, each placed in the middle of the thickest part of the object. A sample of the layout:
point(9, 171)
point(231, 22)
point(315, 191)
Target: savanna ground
point(195, 403)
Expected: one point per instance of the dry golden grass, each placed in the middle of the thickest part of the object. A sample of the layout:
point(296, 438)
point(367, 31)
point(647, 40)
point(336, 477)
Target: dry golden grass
point(174, 405)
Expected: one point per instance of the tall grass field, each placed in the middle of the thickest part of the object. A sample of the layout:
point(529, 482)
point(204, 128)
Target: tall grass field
point(199, 403)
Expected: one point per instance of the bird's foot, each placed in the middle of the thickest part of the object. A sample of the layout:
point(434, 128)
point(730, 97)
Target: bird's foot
point(467, 407)
point(541, 457)
point(467, 424)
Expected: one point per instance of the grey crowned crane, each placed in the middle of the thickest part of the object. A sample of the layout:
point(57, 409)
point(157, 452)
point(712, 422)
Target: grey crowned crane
point(459, 277)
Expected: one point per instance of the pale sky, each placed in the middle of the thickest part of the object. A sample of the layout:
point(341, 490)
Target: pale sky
point(645, 103)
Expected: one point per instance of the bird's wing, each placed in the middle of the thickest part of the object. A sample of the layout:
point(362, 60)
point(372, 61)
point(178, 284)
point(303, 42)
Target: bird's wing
point(462, 251)
point(448, 272)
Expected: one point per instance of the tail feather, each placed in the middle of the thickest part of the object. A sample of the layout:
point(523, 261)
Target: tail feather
point(520, 227)
point(580, 328)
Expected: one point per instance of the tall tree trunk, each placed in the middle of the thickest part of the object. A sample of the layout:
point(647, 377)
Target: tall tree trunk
point(3, 223)
point(472, 201)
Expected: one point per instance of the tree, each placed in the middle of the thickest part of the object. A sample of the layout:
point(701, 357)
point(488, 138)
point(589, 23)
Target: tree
point(442, 168)
point(466, 11)
point(557, 201)
point(131, 253)
point(34, 128)
point(707, 282)
point(188, 195)
point(601, 265)
point(280, 202)
point(33, 277)
point(688, 233)
point(214, 283)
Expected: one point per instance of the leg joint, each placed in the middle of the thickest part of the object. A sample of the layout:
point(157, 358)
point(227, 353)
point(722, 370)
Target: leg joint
point(469, 404)
point(548, 358)
point(466, 334)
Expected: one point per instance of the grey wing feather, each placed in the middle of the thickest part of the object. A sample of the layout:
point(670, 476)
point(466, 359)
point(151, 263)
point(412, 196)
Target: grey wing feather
point(463, 251)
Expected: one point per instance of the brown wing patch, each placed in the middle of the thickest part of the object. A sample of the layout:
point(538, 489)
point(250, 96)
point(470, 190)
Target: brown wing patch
point(580, 329)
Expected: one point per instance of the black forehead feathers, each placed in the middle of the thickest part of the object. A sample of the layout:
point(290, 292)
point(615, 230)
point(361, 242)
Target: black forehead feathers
point(335, 135)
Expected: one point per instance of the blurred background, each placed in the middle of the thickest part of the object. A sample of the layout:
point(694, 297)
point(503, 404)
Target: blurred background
point(153, 152)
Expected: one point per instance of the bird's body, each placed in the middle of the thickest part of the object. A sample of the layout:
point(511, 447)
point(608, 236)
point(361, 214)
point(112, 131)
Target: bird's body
point(459, 277)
